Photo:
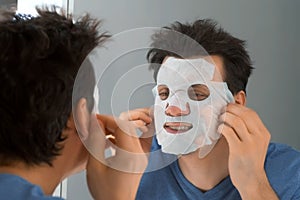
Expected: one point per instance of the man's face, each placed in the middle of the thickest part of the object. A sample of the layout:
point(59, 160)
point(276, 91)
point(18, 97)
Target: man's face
point(189, 97)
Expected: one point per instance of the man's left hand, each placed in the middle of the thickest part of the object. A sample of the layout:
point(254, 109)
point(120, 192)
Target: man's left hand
point(248, 141)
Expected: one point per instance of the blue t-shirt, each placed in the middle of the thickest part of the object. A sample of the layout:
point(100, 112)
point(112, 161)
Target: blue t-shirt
point(282, 166)
point(13, 187)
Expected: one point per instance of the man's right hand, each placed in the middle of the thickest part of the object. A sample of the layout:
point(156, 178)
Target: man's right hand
point(118, 177)
point(141, 118)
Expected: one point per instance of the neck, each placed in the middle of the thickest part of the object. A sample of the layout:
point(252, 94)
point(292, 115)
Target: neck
point(207, 172)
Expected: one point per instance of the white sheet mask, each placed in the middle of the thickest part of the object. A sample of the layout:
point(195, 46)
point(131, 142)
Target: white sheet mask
point(195, 125)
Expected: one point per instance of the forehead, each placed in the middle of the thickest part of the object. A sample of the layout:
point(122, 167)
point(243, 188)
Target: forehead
point(218, 62)
point(192, 70)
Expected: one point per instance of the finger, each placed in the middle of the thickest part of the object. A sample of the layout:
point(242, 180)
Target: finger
point(150, 132)
point(136, 115)
point(113, 124)
point(126, 146)
point(142, 114)
point(230, 135)
point(103, 124)
point(138, 123)
point(117, 128)
point(250, 118)
point(108, 122)
point(144, 129)
point(237, 124)
point(124, 132)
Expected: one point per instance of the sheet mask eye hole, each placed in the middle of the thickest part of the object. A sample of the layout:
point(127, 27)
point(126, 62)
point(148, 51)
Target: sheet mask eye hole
point(198, 92)
point(163, 92)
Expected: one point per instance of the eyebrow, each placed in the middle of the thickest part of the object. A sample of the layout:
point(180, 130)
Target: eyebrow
point(201, 87)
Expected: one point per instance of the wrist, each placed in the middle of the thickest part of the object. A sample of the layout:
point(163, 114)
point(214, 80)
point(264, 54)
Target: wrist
point(258, 187)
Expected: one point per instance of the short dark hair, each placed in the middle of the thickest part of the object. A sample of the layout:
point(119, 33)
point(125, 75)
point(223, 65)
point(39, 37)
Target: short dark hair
point(213, 39)
point(39, 59)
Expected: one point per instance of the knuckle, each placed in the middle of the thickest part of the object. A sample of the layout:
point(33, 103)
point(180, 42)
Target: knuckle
point(236, 122)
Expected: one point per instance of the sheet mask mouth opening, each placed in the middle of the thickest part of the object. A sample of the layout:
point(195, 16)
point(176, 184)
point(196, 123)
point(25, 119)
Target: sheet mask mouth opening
point(177, 127)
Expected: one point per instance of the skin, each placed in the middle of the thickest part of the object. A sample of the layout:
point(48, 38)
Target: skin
point(239, 153)
point(104, 182)
point(118, 184)
point(72, 160)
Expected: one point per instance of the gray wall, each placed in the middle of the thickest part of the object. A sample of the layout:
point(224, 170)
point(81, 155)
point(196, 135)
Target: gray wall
point(270, 27)
point(7, 4)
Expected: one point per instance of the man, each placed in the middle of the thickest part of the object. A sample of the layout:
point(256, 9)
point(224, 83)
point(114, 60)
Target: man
point(230, 157)
point(39, 143)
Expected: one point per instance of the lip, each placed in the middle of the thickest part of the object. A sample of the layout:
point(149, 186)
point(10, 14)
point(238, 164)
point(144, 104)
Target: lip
point(177, 127)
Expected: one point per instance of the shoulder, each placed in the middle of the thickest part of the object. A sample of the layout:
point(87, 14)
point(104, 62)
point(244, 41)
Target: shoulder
point(282, 153)
point(278, 147)
point(283, 170)
point(15, 187)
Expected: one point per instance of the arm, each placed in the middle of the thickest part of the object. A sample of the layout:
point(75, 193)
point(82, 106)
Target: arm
point(118, 177)
point(248, 141)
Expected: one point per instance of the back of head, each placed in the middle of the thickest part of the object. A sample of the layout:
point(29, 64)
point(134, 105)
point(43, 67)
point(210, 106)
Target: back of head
point(39, 59)
point(213, 39)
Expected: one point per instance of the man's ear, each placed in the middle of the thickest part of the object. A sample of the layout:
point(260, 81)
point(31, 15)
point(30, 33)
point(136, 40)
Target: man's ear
point(240, 98)
point(82, 118)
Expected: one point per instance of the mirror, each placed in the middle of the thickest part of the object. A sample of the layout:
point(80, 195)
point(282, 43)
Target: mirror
point(8, 4)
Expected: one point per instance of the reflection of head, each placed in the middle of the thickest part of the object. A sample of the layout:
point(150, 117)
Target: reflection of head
point(39, 60)
point(213, 39)
point(187, 105)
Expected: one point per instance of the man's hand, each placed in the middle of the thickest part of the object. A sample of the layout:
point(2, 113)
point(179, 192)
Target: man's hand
point(117, 177)
point(141, 118)
point(248, 141)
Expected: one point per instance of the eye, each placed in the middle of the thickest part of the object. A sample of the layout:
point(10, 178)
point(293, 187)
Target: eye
point(163, 92)
point(198, 92)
